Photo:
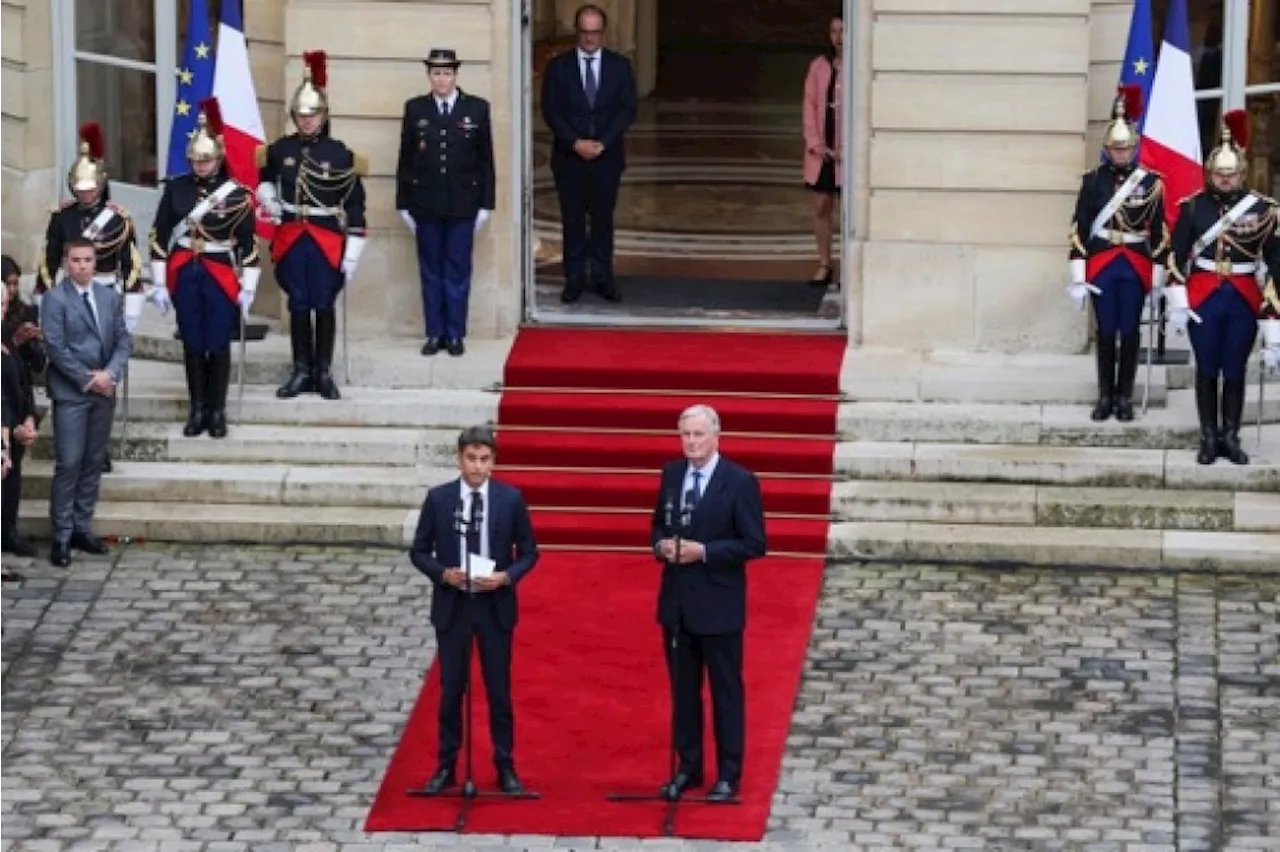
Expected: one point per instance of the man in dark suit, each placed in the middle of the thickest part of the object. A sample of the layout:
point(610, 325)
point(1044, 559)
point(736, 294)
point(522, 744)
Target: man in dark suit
point(88, 347)
point(589, 102)
point(445, 193)
point(707, 524)
point(499, 529)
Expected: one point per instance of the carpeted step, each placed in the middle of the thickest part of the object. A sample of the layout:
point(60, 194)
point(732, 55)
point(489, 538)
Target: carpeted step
point(630, 531)
point(792, 416)
point(638, 490)
point(626, 451)
point(722, 362)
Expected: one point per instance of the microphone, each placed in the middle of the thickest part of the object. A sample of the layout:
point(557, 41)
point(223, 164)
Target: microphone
point(686, 511)
point(477, 506)
point(667, 510)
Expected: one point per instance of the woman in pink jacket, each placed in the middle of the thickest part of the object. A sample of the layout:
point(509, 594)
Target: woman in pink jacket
point(823, 115)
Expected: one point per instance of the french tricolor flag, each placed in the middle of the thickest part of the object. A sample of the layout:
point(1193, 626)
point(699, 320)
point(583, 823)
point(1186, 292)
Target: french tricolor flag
point(233, 87)
point(1171, 132)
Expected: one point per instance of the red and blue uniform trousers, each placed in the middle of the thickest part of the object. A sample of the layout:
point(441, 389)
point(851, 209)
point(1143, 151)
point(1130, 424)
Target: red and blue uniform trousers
point(308, 261)
point(444, 267)
point(1123, 276)
point(204, 291)
point(1228, 309)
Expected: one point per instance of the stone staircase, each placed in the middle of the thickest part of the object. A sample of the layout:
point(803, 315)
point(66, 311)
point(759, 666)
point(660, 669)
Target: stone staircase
point(941, 457)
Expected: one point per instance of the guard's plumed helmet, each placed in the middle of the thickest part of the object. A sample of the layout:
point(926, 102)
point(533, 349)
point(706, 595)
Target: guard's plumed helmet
point(89, 172)
point(206, 144)
point(310, 98)
point(1122, 132)
point(1228, 158)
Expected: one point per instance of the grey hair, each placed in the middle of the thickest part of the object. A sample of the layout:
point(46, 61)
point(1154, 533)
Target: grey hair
point(477, 436)
point(701, 411)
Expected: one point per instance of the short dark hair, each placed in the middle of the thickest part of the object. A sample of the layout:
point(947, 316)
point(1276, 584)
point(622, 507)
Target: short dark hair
point(589, 9)
point(477, 436)
point(75, 243)
point(9, 267)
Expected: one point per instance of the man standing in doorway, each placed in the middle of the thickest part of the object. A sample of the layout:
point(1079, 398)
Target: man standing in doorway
point(589, 102)
point(445, 193)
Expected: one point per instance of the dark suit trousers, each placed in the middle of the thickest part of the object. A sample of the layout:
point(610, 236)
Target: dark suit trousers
point(12, 489)
point(721, 656)
point(81, 432)
point(588, 191)
point(444, 269)
point(475, 622)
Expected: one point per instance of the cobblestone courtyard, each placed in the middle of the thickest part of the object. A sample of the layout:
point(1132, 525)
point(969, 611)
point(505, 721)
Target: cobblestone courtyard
point(176, 698)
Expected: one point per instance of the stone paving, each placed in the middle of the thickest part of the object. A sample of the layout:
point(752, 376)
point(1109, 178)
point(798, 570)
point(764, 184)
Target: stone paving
point(175, 698)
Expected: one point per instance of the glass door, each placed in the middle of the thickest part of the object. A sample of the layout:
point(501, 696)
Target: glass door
point(522, 145)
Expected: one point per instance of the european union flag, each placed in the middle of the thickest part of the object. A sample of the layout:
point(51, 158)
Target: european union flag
point(1139, 68)
point(195, 84)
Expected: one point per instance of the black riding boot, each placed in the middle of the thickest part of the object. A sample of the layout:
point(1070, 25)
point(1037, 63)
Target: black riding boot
point(1128, 373)
point(1207, 412)
point(303, 356)
point(219, 372)
point(193, 363)
point(1232, 409)
point(326, 331)
point(1106, 357)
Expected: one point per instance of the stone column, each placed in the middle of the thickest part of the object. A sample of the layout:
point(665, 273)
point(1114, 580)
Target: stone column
point(375, 49)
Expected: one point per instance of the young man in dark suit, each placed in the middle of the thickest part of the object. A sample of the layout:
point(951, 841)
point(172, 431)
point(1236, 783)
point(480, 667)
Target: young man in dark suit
point(589, 102)
point(707, 524)
point(498, 529)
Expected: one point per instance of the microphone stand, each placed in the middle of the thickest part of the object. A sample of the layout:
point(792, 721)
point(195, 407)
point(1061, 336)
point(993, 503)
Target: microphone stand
point(666, 793)
point(468, 792)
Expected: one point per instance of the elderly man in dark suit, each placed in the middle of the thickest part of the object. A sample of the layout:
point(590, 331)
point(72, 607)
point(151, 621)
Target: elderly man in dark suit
point(707, 524)
point(589, 102)
point(497, 528)
point(88, 347)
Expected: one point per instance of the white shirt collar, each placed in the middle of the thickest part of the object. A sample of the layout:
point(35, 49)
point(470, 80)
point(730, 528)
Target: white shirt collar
point(450, 101)
point(582, 54)
point(705, 471)
point(465, 491)
point(88, 288)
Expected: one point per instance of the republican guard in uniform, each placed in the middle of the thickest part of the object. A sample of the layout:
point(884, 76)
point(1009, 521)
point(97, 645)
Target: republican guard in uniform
point(1226, 259)
point(92, 215)
point(203, 249)
point(1119, 242)
point(311, 184)
point(445, 194)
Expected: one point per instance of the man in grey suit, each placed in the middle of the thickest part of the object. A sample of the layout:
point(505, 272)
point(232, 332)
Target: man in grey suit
point(87, 346)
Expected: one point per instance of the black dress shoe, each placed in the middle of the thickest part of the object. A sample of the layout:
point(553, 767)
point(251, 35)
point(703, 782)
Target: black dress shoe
point(509, 782)
point(682, 781)
point(60, 554)
point(722, 791)
point(106, 465)
point(609, 292)
point(89, 544)
point(442, 780)
point(431, 347)
point(1123, 407)
point(456, 349)
point(569, 295)
point(18, 546)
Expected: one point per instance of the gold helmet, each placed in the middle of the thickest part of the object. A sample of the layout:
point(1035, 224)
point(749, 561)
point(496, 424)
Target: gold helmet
point(1228, 157)
point(1122, 132)
point(89, 172)
point(206, 144)
point(310, 98)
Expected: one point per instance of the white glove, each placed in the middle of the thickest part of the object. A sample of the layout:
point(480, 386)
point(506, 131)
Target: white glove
point(248, 286)
point(269, 202)
point(351, 257)
point(1271, 333)
point(481, 217)
point(1079, 295)
point(159, 273)
point(132, 310)
point(1271, 359)
point(159, 297)
point(1158, 277)
point(408, 221)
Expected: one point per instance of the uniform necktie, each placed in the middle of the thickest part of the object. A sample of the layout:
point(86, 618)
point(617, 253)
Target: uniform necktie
point(444, 108)
point(589, 81)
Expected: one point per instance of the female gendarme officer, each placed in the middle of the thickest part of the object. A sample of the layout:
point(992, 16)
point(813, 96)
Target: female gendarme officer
point(1224, 236)
point(202, 247)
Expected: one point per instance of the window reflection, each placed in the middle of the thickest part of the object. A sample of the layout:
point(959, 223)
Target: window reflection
point(123, 28)
point(123, 101)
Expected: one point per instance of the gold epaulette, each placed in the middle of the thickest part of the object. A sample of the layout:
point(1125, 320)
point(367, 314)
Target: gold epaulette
point(260, 156)
point(359, 164)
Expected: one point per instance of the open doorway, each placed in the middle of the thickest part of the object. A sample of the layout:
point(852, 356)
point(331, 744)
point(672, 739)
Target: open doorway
point(713, 222)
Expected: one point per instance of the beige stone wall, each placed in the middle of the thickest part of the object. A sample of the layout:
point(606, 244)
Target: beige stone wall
point(375, 50)
point(29, 182)
point(975, 136)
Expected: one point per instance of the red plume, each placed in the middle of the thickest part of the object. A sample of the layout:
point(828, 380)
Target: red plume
point(317, 61)
point(91, 134)
point(1237, 122)
point(213, 113)
point(1132, 94)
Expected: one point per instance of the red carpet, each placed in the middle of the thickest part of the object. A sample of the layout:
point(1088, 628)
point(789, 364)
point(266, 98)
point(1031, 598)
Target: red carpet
point(586, 420)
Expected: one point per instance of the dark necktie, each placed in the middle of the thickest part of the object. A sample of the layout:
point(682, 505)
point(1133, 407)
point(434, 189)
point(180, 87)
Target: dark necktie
point(88, 303)
point(473, 528)
point(589, 84)
point(695, 492)
point(444, 108)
